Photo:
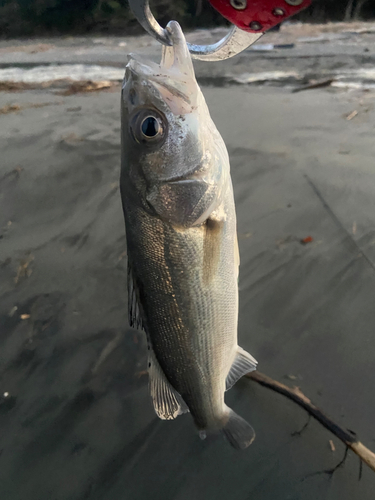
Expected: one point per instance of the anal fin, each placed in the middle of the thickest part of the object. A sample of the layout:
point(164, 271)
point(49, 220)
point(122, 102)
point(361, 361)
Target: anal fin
point(168, 403)
point(243, 363)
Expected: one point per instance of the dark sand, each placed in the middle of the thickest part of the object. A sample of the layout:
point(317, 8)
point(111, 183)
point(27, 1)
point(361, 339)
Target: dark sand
point(77, 422)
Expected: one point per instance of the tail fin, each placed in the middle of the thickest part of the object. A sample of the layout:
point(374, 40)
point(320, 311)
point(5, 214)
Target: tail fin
point(238, 432)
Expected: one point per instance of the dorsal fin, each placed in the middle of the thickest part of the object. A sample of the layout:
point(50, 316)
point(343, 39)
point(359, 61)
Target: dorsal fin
point(243, 363)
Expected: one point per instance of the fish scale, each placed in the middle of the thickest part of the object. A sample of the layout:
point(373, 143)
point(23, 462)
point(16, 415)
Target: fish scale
point(174, 312)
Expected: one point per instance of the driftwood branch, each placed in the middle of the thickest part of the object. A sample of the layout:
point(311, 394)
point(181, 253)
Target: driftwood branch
point(349, 438)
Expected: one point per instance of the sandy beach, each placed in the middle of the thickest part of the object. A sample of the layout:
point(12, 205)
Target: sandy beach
point(76, 420)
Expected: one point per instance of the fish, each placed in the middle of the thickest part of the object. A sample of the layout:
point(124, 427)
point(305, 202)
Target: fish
point(182, 247)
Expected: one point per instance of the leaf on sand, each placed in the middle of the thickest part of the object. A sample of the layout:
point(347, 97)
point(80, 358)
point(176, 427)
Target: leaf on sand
point(308, 239)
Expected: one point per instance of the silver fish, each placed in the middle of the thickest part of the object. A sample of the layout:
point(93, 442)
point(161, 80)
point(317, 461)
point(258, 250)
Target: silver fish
point(182, 243)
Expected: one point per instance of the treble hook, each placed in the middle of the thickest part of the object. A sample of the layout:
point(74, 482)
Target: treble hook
point(232, 44)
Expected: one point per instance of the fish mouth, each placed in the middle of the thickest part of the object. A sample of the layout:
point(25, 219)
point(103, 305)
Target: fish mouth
point(176, 60)
point(174, 78)
point(142, 68)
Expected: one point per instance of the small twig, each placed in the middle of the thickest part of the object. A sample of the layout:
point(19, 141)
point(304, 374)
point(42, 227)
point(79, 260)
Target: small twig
point(349, 438)
point(332, 445)
point(352, 115)
point(330, 472)
point(315, 85)
point(298, 433)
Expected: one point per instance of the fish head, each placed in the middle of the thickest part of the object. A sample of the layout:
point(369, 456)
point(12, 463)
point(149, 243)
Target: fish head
point(172, 153)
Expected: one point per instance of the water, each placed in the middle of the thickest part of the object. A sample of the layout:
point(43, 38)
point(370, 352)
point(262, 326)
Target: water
point(46, 73)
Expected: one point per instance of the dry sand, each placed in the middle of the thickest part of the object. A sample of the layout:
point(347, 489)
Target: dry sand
point(76, 421)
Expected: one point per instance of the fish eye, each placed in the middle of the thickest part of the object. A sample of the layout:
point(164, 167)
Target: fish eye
point(148, 126)
point(151, 127)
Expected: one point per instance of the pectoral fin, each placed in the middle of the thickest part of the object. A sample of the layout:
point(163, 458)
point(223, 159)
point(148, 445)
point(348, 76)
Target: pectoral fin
point(168, 403)
point(242, 364)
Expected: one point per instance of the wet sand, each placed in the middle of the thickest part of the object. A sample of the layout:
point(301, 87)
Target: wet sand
point(76, 420)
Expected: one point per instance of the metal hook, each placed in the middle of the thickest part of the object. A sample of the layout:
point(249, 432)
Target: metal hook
point(232, 44)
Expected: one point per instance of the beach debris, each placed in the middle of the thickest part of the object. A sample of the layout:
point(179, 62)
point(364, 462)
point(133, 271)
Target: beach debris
point(12, 311)
point(265, 76)
point(24, 270)
point(361, 31)
point(59, 75)
point(7, 402)
point(107, 350)
point(71, 138)
point(30, 49)
point(354, 228)
point(16, 86)
point(245, 235)
point(352, 115)
point(308, 239)
point(67, 86)
point(25, 316)
point(324, 37)
point(14, 108)
point(347, 436)
point(122, 256)
point(283, 242)
point(11, 108)
point(265, 47)
point(331, 444)
point(87, 86)
point(314, 84)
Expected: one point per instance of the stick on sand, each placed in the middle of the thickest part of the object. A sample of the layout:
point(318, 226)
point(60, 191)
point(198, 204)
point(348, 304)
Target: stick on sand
point(349, 438)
